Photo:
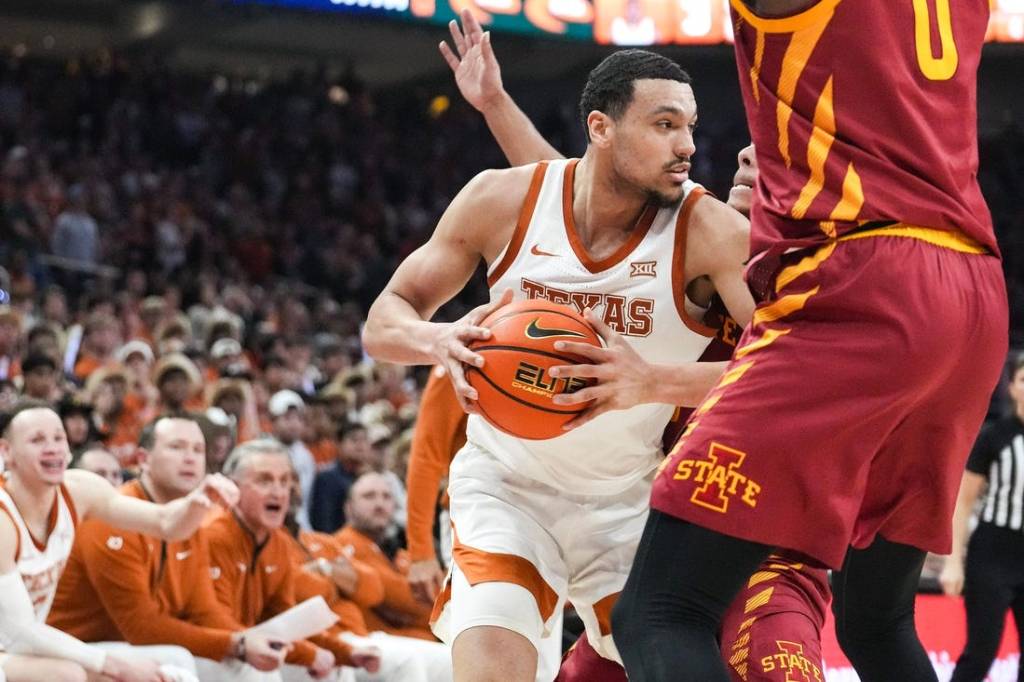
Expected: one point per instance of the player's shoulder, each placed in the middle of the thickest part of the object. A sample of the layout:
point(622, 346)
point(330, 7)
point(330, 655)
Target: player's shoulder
point(499, 190)
point(714, 226)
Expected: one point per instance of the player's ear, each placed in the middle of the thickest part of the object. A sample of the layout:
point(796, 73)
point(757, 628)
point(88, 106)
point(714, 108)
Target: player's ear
point(600, 126)
point(140, 457)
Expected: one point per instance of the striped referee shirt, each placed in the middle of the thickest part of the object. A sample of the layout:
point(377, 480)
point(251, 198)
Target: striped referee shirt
point(998, 455)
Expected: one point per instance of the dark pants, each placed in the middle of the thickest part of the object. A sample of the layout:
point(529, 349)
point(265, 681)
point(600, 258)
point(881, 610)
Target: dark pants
point(684, 577)
point(994, 582)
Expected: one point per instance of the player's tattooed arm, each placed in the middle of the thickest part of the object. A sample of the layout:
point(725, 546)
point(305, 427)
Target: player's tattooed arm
point(478, 76)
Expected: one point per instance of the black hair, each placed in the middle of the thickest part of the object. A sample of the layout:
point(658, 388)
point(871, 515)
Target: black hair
point(1016, 365)
point(609, 87)
point(38, 360)
point(347, 427)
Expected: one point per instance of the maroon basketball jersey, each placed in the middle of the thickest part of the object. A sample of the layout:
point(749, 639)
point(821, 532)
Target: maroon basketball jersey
point(863, 111)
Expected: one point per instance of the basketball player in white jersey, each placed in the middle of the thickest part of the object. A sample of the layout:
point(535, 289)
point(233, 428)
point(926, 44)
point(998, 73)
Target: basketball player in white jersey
point(622, 231)
point(40, 504)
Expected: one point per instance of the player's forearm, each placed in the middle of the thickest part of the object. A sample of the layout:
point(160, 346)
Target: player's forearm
point(181, 518)
point(684, 385)
point(395, 332)
point(521, 142)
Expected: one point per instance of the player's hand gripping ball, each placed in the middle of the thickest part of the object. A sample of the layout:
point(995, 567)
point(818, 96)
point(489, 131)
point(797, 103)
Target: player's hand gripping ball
point(514, 386)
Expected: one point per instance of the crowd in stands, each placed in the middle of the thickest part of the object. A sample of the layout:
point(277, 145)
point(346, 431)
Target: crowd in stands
point(188, 244)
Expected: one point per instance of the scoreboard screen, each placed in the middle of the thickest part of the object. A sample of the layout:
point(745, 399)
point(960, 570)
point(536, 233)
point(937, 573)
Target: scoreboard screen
point(612, 22)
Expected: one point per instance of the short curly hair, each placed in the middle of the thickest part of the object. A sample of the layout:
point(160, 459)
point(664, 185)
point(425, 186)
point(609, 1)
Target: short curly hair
point(609, 87)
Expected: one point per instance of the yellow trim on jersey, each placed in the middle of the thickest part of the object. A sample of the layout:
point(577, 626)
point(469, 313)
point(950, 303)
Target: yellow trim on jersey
point(947, 239)
point(797, 22)
point(823, 135)
point(806, 264)
point(794, 61)
point(769, 337)
point(782, 307)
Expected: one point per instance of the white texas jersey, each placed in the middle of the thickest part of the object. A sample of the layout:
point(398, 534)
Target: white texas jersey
point(41, 565)
point(639, 291)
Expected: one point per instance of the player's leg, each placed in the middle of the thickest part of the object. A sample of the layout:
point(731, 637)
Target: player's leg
point(772, 630)
point(988, 593)
point(17, 668)
point(873, 602)
point(507, 579)
point(666, 620)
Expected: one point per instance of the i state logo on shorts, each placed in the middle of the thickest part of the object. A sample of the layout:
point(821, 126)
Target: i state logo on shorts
point(720, 479)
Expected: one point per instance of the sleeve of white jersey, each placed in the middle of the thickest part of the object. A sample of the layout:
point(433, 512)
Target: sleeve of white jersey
point(20, 633)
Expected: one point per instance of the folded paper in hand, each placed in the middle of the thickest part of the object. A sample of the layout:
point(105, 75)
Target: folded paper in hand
point(299, 622)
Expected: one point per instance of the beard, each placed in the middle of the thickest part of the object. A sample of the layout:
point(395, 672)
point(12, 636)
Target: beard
point(662, 200)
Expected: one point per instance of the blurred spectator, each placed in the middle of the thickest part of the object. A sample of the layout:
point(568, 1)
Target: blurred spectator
point(178, 383)
point(101, 336)
point(10, 328)
point(102, 463)
point(39, 378)
point(75, 234)
point(117, 419)
point(76, 415)
point(331, 489)
point(370, 513)
point(288, 419)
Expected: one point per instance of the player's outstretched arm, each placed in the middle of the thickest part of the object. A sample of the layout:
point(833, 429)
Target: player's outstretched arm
point(952, 576)
point(477, 225)
point(478, 76)
point(177, 520)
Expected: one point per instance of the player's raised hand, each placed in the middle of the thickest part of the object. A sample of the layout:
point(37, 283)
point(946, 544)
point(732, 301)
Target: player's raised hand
point(450, 348)
point(624, 379)
point(476, 69)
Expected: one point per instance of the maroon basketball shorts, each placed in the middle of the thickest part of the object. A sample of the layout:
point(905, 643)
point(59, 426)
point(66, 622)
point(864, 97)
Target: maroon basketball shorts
point(852, 400)
point(772, 630)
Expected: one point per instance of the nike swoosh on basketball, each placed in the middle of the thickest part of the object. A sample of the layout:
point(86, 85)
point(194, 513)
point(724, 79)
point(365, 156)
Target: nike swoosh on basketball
point(181, 556)
point(533, 331)
point(536, 251)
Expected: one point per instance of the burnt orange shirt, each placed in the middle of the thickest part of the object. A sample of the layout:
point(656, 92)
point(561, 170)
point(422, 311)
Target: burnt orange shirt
point(122, 586)
point(325, 453)
point(86, 365)
point(440, 433)
point(399, 613)
point(256, 582)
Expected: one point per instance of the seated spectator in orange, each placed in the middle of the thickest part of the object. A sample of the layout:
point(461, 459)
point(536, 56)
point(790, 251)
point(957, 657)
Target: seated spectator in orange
point(39, 374)
point(327, 508)
point(129, 587)
point(100, 338)
point(137, 358)
point(250, 556)
point(235, 397)
point(115, 417)
point(103, 464)
point(370, 511)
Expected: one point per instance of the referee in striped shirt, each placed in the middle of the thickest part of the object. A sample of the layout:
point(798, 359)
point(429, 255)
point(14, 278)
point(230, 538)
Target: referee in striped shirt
point(994, 577)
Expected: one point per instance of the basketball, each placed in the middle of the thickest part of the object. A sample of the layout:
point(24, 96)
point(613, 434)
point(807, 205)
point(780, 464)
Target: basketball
point(514, 387)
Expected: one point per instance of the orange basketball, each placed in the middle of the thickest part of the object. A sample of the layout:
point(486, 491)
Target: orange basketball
point(514, 387)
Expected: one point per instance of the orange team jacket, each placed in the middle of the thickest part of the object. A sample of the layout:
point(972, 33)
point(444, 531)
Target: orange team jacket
point(257, 582)
point(123, 586)
point(399, 613)
point(369, 586)
point(440, 433)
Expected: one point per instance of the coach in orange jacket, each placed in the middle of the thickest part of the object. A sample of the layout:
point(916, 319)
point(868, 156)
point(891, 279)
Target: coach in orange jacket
point(124, 586)
point(370, 511)
point(250, 559)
